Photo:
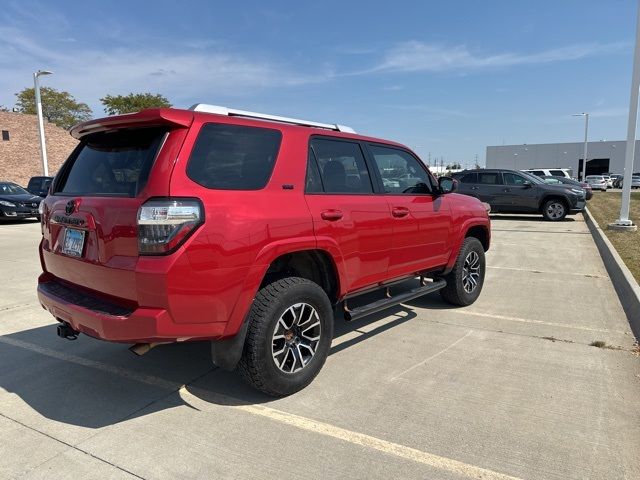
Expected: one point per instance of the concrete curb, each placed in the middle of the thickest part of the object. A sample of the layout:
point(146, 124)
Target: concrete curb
point(625, 285)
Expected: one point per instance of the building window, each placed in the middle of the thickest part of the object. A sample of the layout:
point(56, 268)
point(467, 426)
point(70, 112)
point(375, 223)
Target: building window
point(5, 135)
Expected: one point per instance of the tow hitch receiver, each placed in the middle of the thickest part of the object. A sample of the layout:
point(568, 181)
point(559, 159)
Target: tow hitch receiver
point(64, 330)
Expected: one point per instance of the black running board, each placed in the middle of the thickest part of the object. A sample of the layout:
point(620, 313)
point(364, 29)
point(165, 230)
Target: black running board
point(378, 305)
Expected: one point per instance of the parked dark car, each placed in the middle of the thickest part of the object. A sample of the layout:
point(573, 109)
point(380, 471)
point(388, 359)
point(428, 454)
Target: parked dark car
point(39, 186)
point(511, 191)
point(16, 202)
point(569, 183)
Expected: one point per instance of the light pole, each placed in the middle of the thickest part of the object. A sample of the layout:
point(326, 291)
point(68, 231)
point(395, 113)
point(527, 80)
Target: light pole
point(43, 146)
point(586, 134)
point(623, 222)
point(515, 157)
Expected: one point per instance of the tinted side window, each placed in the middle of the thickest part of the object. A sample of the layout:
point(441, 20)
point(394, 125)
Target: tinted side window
point(469, 178)
point(539, 173)
point(557, 173)
point(313, 184)
point(342, 166)
point(400, 171)
point(489, 178)
point(233, 157)
point(514, 179)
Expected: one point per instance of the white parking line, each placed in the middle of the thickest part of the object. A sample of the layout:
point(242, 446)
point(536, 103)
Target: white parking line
point(536, 322)
point(355, 438)
point(432, 356)
point(302, 423)
point(590, 275)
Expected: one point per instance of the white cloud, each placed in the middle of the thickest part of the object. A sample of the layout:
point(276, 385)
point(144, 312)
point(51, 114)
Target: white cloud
point(415, 56)
point(393, 88)
point(436, 112)
point(610, 112)
point(196, 71)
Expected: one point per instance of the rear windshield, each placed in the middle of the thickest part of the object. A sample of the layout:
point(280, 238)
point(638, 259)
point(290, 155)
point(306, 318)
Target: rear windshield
point(233, 157)
point(113, 163)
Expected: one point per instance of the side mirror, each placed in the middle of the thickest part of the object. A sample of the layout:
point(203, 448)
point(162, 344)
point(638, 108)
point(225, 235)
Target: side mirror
point(447, 184)
point(527, 184)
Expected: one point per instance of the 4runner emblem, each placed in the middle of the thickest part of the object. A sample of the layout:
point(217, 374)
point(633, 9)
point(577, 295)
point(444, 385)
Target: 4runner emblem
point(71, 206)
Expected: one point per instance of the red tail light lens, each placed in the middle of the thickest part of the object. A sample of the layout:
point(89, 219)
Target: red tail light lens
point(164, 224)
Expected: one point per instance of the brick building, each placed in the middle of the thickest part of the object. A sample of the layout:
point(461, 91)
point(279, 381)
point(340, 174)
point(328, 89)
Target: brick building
point(20, 147)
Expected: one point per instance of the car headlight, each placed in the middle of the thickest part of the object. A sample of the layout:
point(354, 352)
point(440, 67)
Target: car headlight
point(7, 204)
point(41, 207)
point(579, 191)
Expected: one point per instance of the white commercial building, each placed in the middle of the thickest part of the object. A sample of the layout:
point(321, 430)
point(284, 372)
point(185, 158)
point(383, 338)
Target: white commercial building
point(602, 157)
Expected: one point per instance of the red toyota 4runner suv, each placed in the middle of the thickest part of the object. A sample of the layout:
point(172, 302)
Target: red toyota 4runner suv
point(247, 230)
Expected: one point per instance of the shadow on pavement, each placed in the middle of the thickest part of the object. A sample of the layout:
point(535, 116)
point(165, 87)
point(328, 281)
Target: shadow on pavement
point(527, 218)
point(5, 221)
point(94, 384)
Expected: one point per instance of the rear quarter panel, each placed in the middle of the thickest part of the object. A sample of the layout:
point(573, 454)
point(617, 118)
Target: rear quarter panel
point(223, 264)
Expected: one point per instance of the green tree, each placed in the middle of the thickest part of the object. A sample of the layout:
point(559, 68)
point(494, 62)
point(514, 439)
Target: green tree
point(134, 102)
point(58, 107)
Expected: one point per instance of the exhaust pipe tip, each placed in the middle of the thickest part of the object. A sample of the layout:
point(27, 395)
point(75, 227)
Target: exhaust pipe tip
point(140, 349)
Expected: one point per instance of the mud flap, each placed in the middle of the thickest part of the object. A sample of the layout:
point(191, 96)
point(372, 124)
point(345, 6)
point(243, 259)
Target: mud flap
point(226, 353)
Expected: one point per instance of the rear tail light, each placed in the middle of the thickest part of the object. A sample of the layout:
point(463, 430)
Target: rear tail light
point(164, 224)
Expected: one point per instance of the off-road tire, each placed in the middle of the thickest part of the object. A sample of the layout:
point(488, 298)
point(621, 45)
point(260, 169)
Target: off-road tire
point(546, 213)
point(257, 365)
point(455, 292)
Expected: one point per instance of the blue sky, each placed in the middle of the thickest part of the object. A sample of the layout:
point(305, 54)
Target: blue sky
point(448, 78)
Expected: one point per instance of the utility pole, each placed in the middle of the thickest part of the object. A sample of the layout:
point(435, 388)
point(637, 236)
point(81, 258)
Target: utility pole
point(43, 145)
point(623, 222)
point(586, 135)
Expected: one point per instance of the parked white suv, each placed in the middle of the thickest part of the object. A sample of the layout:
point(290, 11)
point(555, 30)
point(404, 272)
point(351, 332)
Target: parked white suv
point(551, 172)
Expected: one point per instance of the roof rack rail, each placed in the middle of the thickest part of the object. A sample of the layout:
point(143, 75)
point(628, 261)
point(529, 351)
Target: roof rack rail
point(231, 112)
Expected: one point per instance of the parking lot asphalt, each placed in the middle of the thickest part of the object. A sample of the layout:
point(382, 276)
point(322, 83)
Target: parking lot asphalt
point(506, 388)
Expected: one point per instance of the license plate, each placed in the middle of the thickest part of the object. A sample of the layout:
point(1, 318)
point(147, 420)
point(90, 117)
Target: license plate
point(73, 242)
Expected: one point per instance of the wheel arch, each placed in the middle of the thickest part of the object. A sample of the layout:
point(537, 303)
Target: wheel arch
point(315, 264)
point(481, 232)
point(554, 196)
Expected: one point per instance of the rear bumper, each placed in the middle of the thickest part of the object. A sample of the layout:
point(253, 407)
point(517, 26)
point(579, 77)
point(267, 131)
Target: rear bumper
point(100, 318)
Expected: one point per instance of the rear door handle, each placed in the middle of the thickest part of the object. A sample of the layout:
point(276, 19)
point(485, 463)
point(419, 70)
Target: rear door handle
point(506, 190)
point(473, 188)
point(331, 215)
point(400, 212)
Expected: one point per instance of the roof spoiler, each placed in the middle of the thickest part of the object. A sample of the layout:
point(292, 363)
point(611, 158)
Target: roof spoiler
point(148, 117)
